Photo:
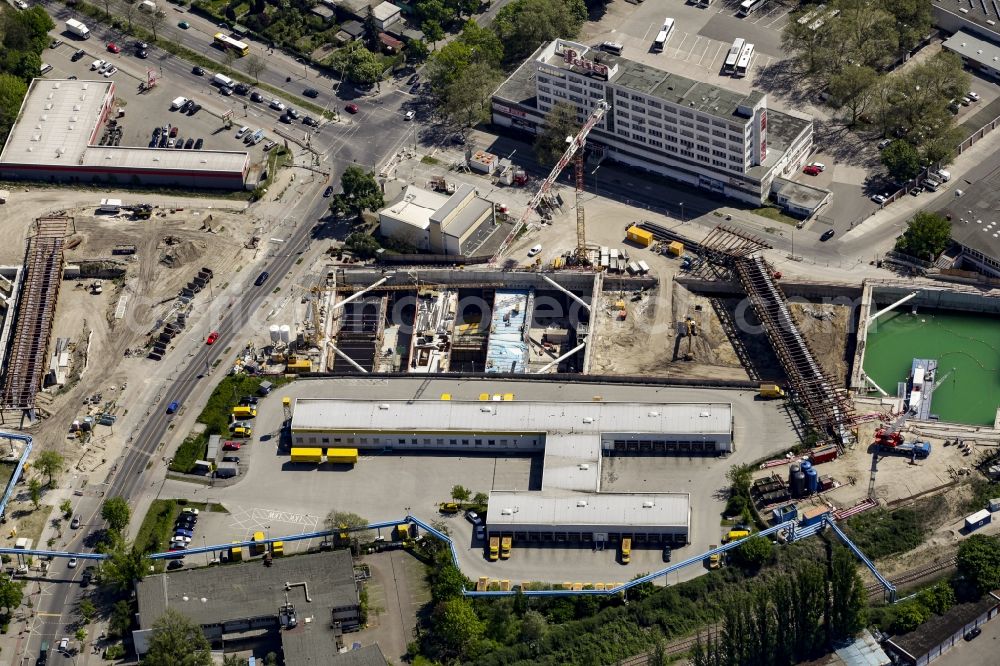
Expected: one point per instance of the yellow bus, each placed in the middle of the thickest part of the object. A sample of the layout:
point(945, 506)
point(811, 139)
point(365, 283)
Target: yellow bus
point(224, 42)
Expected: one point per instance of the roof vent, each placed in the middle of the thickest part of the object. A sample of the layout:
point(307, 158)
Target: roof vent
point(76, 107)
point(588, 419)
point(653, 414)
point(584, 467)
point(383, 406)
point(506, 512)
point(488, 410)
point(648, 504)
point(581, 503)
point(705, 415)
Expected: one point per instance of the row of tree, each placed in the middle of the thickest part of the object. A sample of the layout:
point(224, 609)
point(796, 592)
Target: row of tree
point(24, 36)
point(789, 618)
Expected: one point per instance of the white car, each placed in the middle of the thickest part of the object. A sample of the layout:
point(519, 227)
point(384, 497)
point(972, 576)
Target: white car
point(879, 199)
point(193, 512)
point(277, 105)
point(973, 96)
point(243, 130)
point(72, 563)
point(21, 4)
point(410, 115)
point(180, 540)
point(535, 250)
point(818, 165)
point(110, 71)
point(96, 65)
point(64, 645)
point(105, 67)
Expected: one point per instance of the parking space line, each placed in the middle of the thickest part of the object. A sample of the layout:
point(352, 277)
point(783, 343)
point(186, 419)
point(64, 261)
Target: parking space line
point(714, 56)
point(678, 47)
point(692, 51)
point(780, 17)
point(645, 35)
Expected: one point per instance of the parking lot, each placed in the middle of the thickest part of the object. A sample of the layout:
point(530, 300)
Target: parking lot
point(280, 498)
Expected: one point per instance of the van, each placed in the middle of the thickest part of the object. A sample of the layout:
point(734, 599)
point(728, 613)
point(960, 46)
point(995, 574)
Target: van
point(931, 185)
point(243, 130)
point(244, 412)
point(257, 136)
point(96, 65)
point(46, 67)
point(615, 48)
point(178, 103)
point(147, 6)
point(943, 175)
point(223, 80)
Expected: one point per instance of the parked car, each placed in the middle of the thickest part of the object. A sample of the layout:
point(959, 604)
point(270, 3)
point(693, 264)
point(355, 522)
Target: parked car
point(971, 634)
point(473, 518)
point(328, 191)
point(173, 131)
point(183, 532)
point(188, 143)
point(72, 563)
point(190, 511)
point(55, 43)
point(262, 278)
point(480, 532)
point(810, 170)
point(173, 407)
point(181, 540)
point(975, 98)
point(110, 71)
point(818, 165)
point(197, 71)
point(310, 92)
point(180, 142)
point(232, 459)
point(213, 336)
point(534, 250)
point(114, 48)
point(198, 144)
point(75, 523)
point(231, 446)
point(64, 643)
point(78, 55)
point(827, 235)
point(352, 108)
point(410, 115)
point(666, 553)
point(195, 108)
point(884, 143)
point(879, 199)
point(256, 97)
point(175, 564)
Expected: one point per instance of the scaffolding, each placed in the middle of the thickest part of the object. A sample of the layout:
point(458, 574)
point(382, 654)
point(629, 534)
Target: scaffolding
point(28, 359)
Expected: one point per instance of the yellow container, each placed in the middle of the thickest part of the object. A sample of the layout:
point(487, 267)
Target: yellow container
point(236, 553)
point(639, 236)
point(342, 456)
point(278, 548)
point(446, 396)
point(676, 248)
point(307, 455)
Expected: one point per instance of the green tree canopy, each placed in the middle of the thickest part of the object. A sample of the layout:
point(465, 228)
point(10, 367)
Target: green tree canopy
point(360, 192)
point(902, 160)
point(11, 594)
point(457, 624)
point(448, 583)
point(361, 66)
point(117, 513)
point(523, 25)
point(852, 88)
point(979, 561)
point(127, 564)
point(460, 493)
point(926, 236)
point(49, 463)
point(560, 123)
point(12, 92)
point(177, 641)
point(755, 552)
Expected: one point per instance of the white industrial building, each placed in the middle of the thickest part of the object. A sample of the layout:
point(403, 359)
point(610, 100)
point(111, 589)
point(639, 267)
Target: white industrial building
point(575, 437)
point(453, 224)
point(56, 138)
point(705, 136)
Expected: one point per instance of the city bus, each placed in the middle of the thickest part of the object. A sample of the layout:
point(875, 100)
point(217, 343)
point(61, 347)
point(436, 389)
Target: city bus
point(734, 54)
point(663, 35)
point(743, 64)
point(224, 42)
point(748, 7)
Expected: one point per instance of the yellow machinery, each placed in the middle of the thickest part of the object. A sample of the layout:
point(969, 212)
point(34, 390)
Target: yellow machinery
point(448, 507)
point(675, 249)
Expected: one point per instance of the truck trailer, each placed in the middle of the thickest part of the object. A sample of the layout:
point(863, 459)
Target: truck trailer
point(342, 456)
point(77, 28)
point(307, 455)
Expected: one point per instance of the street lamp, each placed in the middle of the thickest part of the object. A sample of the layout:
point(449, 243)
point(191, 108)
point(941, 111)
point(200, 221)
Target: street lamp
point(682, 212)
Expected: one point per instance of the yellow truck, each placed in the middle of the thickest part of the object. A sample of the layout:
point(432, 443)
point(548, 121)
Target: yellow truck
point(242, 432)
point(505, 547)
point(626, 550)
point(448, 507)
point(770, 391)
point(714, 561)
point(307, 455)
point(494, 548)
point(736, 535)
point(244, 412)
point(342, 456)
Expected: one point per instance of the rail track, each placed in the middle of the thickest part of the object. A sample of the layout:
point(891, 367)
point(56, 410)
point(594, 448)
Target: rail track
point(873, 589)
point(672, 649)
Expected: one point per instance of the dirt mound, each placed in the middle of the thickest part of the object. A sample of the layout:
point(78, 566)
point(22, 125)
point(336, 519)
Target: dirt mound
point(177, 254)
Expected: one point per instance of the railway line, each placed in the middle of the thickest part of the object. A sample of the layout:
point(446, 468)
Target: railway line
point(672, 649)
point(874, 589)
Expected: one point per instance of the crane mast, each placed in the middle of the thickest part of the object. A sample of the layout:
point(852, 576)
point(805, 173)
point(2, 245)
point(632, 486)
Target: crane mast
point(574, 148)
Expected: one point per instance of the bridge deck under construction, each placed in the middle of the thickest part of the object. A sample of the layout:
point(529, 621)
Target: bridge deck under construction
point(28, 360)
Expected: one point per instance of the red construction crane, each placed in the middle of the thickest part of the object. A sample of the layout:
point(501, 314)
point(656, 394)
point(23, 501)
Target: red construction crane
point(575, 145)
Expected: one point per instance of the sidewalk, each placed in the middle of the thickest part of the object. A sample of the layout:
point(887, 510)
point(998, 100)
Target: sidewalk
point(907, 206)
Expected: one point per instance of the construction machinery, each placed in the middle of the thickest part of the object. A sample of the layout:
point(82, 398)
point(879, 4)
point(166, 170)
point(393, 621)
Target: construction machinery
point(575, 146)
point(715, 559)
point(888, 441)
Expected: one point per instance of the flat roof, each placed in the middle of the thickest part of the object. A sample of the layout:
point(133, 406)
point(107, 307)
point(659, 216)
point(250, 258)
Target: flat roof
point(657, 83)
point(974, 13)
point(572, 462)
point(468, 216)
point(56, 122)
point(549, 507)
point(60, 118)
point(974, 48)
point(416, 206)
point(332, 415)
point(932, 633)
point(214, 595)
point(801, 194)
point(384, 10)
point(974, 221)
point(316, 643)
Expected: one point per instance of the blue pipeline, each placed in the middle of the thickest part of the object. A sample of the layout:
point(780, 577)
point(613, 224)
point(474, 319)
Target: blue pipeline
point(861, 556)
point(17, 470)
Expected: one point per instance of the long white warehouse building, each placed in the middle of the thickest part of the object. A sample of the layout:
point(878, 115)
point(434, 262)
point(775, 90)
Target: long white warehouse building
point(575, 436)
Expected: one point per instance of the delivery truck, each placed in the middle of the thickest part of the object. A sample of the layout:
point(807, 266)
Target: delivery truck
point(77, 28)
point(505, 547)
point(244, 412)
point(626, 550)
point(494, 549)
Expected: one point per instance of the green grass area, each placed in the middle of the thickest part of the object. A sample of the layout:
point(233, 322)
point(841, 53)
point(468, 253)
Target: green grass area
point(195, 58)
point(158, 525)
point(880, 533)
point(982, 492)
point(277, 158)
point(216, 417)
point(775, 214)
point(427, 159)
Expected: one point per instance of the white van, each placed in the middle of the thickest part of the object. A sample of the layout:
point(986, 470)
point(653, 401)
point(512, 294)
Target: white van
point(178, 103)
point(147, 6)
point(96, 65)
point(943, 175)
point(46, 67)
point(243, 130)
point(222, 80)
point(614, 48)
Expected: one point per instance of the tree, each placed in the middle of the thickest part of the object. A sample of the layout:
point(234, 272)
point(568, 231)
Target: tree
point(524, 24)
point(739, 477)
point(902, 160)
point(177, 641)
point(909, 616)
point(81, 634)
point(339, 520)
point(87, 609)
point(926, 236)
point(852, 88)
point(979, 561)
point(271, 659)
point(49, 463)
point(66, 507)
point(154, 20)
point(361, 66)
point(107, 7)
point(362, 245)
point(117, 513)
point(433, 32)
point(255, 66)
point(417, 51)
point(481, 499)
point(560, 123)
point(131, 7)
point(11, 594)
point(12, 92)
point(456, 624)
point(35, 492)
point(121, 618)
point(533, 626)
point(848, 597)
point(460, 493)
point(360, 192)
point(755, 552)
point(126, 564)
point(448, 583)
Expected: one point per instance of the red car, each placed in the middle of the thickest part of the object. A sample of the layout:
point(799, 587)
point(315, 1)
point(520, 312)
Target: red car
point(352, 108)
point(231, 446)
point(173, 132)
point(114, 48)
point(811, 170)
point(212, 338)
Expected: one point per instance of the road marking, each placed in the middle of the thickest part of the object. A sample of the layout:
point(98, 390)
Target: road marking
point(714, 57)
point(697, 40)
point(40, 614)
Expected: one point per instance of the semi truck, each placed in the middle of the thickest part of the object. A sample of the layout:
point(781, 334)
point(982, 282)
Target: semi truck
point(892, 442)
point(494, 548)
point(342, 456)
point(307, 455)
point(505, 547)
point(77, 28)
point(626, 550)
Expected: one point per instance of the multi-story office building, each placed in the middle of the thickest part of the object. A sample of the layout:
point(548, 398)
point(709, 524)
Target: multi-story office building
point(718, 140)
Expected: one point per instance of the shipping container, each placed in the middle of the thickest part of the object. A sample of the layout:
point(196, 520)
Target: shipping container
point(814, 515)
point(785, 513)
point(342, 456)
point(278, 548)
point(822, 454)
point(640, 237)
point(307, 455)
point(977, 520)
point(676, 248)
point(771, 391)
